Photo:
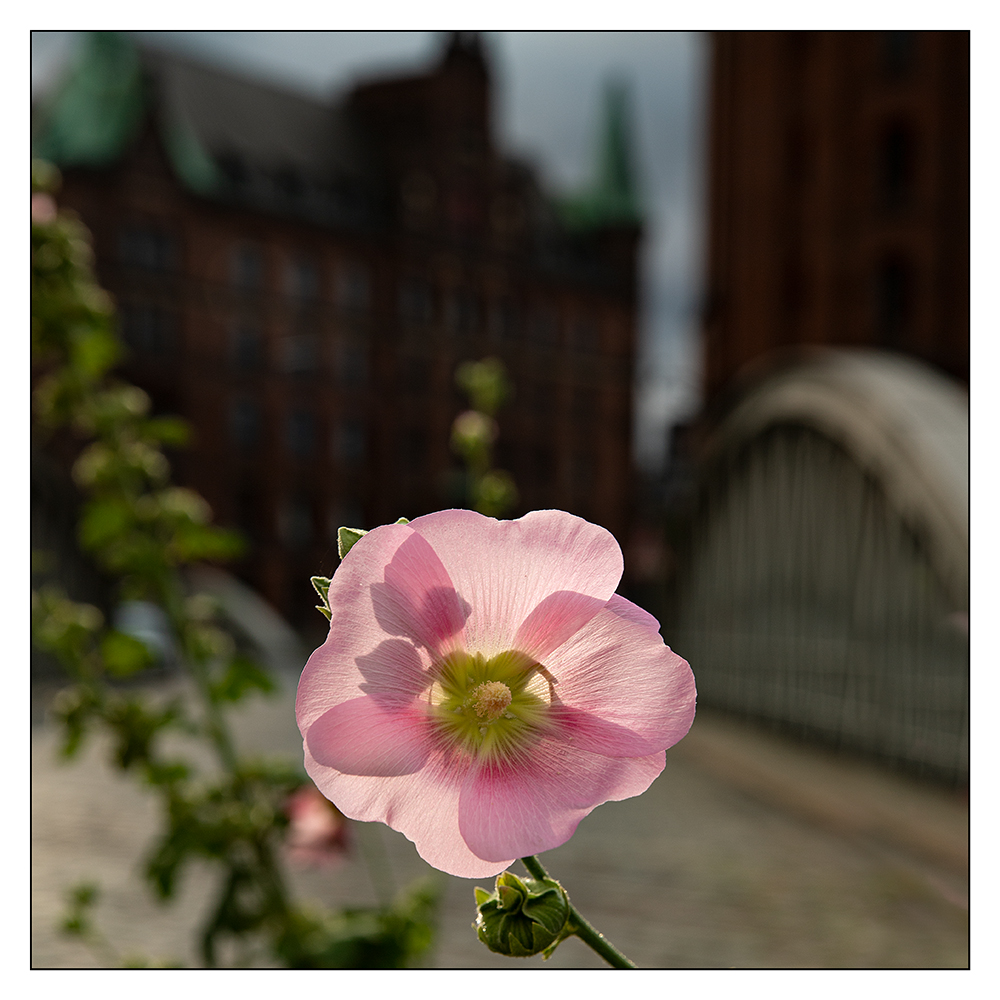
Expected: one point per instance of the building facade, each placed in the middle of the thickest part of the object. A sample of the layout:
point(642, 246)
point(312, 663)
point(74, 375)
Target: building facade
point(838, 197)
point(300, 281)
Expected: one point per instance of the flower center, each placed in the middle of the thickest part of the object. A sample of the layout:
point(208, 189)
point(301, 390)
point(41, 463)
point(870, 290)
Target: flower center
point(490, 707)
point(490, 700)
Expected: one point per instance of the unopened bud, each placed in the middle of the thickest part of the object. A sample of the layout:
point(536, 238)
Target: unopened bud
point(522, 917)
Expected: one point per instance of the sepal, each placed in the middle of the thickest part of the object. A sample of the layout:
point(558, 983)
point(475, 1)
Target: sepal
point(522, 917)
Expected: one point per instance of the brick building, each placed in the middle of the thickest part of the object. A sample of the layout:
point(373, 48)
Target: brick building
point(838, 196)
point(822, 536)
point(300, 280)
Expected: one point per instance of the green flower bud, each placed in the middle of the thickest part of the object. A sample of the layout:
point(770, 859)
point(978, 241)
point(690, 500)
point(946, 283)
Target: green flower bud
point(522, 916)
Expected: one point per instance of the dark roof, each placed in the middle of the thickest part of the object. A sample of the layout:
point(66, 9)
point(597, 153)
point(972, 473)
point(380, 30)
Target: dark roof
point(227, 137)
point(271, 127)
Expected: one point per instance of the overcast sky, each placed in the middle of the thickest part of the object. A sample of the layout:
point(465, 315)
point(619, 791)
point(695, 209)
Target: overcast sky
point(548, 88)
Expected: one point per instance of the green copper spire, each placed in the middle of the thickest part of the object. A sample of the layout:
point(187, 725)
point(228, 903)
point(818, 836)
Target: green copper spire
point(99, 109)
point(611, 199)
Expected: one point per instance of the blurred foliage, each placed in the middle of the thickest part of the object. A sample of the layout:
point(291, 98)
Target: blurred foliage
point(141, 531)
point(474, 433)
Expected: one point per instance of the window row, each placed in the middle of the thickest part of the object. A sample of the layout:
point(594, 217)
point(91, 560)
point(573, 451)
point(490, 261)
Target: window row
point(153, 248)
point(299, 518)
point(301, 278)
point(299, 353)
point(460, 312)
point(300, 432)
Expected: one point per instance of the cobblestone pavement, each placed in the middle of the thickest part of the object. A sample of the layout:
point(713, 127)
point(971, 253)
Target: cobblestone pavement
point(749, 851)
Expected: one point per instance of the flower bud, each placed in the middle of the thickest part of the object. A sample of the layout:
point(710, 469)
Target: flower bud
point(522, 916)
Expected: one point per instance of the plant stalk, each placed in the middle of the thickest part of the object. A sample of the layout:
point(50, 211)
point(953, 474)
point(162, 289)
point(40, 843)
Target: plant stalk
point(581, 927)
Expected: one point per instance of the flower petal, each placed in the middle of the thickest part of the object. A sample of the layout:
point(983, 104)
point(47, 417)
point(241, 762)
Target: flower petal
point(423, 806)
point(554, 620)
point(418, 600)
point(534, 803)
point(390, 584)
point(632, 612)
point(506, 569)
point(616, 670)
point(361, 737)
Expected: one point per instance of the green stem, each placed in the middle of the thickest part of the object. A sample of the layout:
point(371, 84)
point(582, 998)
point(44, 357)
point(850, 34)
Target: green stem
point(580, 926)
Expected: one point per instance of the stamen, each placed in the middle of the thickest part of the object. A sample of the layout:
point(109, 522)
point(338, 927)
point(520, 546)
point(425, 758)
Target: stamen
point(490, 700)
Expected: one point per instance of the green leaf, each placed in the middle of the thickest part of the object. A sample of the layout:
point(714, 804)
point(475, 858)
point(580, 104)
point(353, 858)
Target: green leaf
point(171, 431)
point(346, 537)
point(321, 584)
point(240, 676)
point(103, 521)
point(123, 654)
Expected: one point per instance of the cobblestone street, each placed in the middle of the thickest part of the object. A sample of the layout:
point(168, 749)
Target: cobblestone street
point(749, 852)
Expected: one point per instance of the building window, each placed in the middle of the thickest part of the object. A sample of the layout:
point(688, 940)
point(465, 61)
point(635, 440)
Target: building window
point(300, 433)
point(584, 405)
point(583, 473)
point(894, 302)
point(247, 268)
point(248, 510)
point(245, 423)
point(583, 336)
point(460, 312)
point(149, 330)
point(503, 321)
point(897, 165)
point(412, 449)
point(543, 327)
point(299, 354)
point(246, 346)
point(414, 374)
point(353, 287)
point(350, 441)
point(295, 521)
point(544, 461)
point(148, 248)
point(352, 364)
point(302, 280)
point(898, 53)
point(416, 302)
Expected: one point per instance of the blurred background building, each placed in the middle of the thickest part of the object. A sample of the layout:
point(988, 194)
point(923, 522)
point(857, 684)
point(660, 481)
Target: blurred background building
point(300, 279)
point(823, 541)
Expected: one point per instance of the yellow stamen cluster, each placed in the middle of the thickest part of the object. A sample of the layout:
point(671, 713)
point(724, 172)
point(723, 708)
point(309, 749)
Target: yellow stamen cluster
point(490, 700)
point(490, 707)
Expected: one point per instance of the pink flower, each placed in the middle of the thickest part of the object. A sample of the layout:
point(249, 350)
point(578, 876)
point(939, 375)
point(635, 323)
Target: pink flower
point(317, 831)
point(483, 688)
point(43, 208)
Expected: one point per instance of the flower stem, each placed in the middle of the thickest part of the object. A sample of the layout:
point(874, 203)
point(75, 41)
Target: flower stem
point(580, 926)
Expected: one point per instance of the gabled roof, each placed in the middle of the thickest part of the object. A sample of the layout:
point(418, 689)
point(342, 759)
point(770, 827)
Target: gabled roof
point(269, 126)
point(226, 136)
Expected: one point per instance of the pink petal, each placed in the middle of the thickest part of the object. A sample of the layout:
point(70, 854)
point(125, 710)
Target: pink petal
point(505, 569)
point(361, 737)
point(423, 806)
point(534, 804)
point(416, 598)
point(619, 690)
point(390, 584)
point(554, 620)
point(632, 612)
point(393, 673)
